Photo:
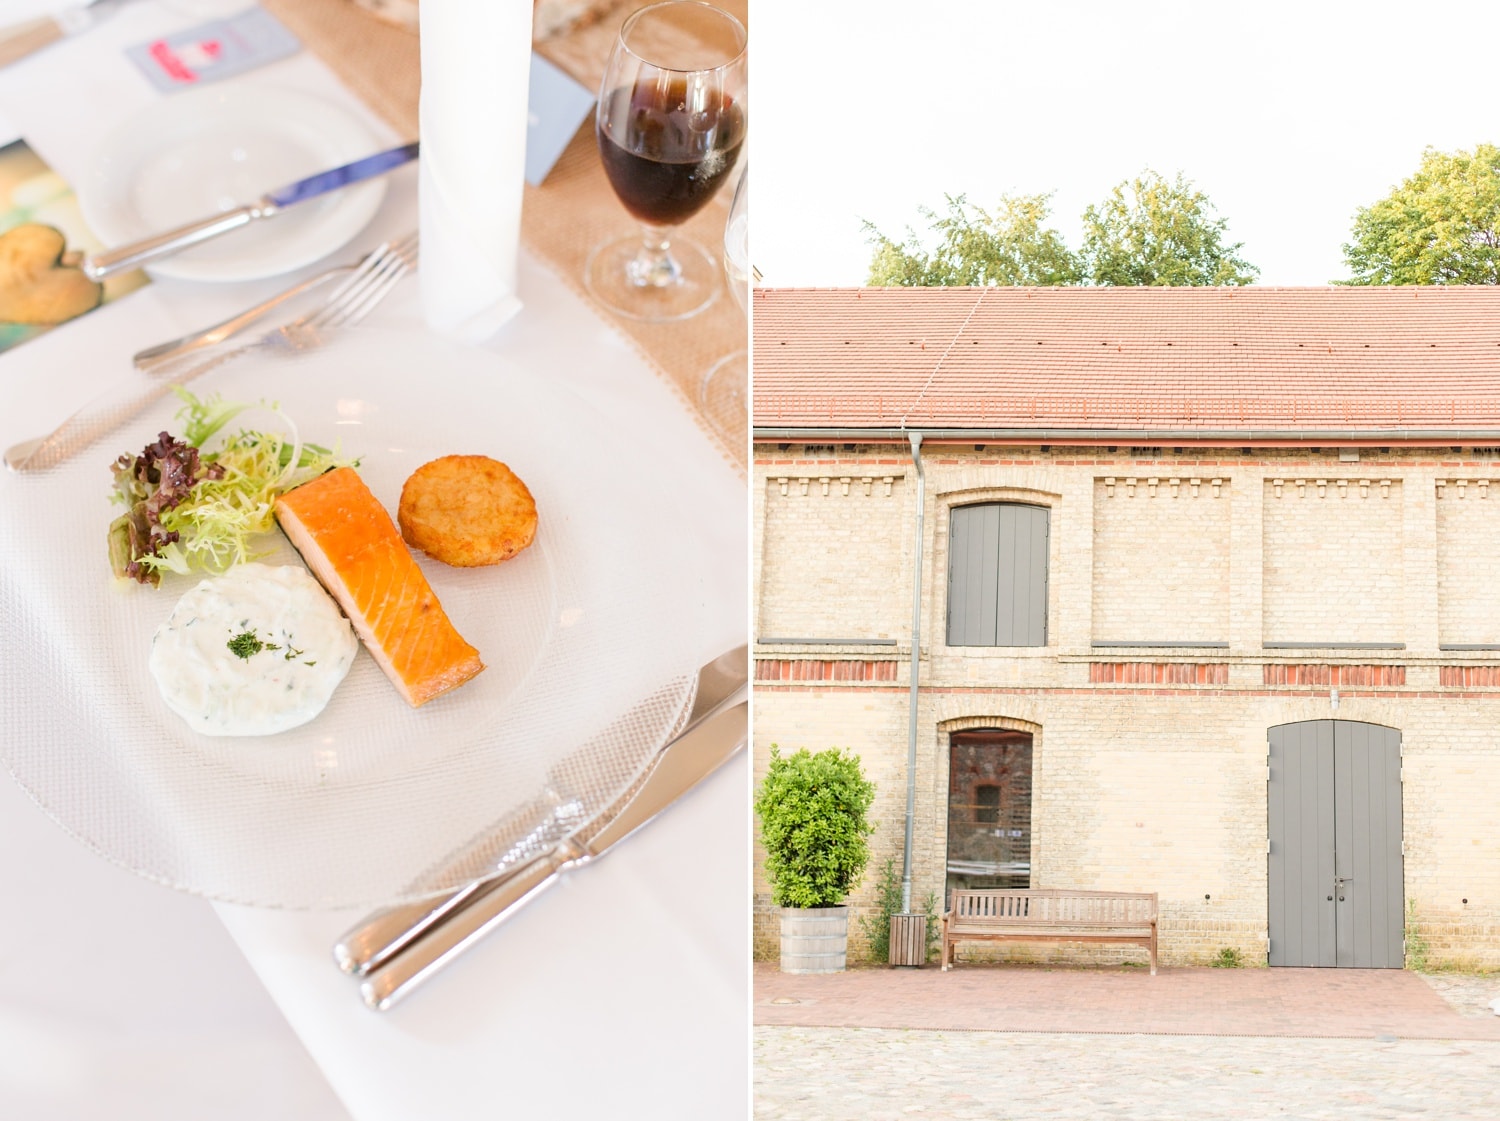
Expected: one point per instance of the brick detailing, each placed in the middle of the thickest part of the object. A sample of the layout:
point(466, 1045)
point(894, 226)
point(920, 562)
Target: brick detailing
point(1158, 673)
point(800, 669)
point(833, 551)
point(1161, 557)
point(1467, 676)
point(1312, 674)
point(1468, 540)
point(1333, 559)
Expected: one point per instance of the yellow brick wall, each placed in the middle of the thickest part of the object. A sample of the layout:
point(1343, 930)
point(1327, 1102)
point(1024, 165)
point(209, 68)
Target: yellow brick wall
point(1160, 788)
point(1468, 557)
point(830, 545)
point(1333, 560)
point(1161, 559)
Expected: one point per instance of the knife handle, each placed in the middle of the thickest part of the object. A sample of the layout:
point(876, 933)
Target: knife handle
point(21, 39)
point(441, 942)
point(384, 934)
point(98, 266)
point(491, 905)
point(476, 867)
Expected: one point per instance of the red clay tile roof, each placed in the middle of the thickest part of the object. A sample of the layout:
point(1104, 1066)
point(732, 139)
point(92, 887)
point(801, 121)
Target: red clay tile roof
point(1128, 358)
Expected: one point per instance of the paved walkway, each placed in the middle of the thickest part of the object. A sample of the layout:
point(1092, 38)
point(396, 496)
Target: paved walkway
point(1186, 1045)
point(869, 1074)
point(1379, 1004)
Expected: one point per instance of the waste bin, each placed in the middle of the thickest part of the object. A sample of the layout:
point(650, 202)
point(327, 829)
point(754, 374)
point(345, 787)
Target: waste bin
point(908, 940)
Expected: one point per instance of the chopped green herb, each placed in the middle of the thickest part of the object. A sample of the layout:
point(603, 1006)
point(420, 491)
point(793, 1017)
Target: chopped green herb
point(245, 645)
point(248, 644)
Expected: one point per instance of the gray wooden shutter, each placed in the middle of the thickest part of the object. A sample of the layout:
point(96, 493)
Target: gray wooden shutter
point(997, 575)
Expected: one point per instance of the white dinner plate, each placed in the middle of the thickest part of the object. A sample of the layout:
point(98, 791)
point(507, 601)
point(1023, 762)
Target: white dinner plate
point(599, 615)
point(206, 151)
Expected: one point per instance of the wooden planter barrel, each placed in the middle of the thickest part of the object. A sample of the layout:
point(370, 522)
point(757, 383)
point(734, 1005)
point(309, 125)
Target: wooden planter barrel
point(908, 939)
point(814, 939)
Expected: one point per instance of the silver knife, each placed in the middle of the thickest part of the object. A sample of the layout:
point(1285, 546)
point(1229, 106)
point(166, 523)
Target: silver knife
point(681, 765)
point(387, 932)
point(98, 266)
point(22, 39)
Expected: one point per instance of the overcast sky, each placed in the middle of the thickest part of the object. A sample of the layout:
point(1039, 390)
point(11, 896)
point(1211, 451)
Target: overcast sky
point(1289, 116)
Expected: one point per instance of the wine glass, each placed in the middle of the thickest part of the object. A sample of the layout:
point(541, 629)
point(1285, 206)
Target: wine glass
point(670, 123)
point(722, 393)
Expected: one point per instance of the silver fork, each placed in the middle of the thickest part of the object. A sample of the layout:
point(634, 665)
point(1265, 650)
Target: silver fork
point(346, 306)
point(154, 358)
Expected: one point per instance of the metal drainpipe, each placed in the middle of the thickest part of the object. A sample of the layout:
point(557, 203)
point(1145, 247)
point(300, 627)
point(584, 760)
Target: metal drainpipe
point(916, 646)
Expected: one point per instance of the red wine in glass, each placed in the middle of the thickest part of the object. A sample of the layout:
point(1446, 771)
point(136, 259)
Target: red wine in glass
point(664, 158)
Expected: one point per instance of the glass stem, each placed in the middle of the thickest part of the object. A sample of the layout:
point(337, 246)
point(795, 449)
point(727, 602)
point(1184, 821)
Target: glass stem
point(653, 266)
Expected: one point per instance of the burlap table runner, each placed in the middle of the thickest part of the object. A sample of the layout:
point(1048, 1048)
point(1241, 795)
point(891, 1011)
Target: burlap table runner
point(572, 211)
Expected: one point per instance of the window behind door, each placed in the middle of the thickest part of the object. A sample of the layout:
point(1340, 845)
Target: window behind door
point(989, 809)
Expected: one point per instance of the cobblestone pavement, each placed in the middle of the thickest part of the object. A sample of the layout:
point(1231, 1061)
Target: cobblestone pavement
point(1469, 994)
point(875, 1074)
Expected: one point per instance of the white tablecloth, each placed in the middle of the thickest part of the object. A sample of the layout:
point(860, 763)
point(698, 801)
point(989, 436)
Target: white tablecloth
point(623, 993)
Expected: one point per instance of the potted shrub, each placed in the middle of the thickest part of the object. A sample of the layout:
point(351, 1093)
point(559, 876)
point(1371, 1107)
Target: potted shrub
point(813, 811)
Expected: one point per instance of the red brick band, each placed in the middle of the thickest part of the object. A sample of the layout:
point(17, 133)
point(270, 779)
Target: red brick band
point(1313, 674)
point(804, 670)
point(1158, 673)
point(1463, 676)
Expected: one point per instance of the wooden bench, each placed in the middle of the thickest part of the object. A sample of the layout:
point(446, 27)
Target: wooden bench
point(1050, 915)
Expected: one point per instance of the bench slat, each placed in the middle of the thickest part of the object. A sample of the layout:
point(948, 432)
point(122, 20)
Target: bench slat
point(1048, 927)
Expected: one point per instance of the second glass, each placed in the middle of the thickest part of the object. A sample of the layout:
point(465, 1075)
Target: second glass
point(723, 392)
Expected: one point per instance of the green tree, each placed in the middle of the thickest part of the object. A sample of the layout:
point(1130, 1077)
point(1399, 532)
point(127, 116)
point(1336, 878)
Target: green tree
point(813, 812)
point(1151, 231)
point(1441, 226)
point(1008, 245)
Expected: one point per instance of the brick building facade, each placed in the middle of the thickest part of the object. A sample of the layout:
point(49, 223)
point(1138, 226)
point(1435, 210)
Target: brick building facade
point(1147, 569)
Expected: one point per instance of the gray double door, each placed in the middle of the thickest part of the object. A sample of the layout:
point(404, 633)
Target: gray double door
point(1335, 869)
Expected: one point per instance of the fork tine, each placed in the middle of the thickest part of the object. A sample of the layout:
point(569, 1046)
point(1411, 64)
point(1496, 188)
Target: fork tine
point(371, 261)
point(374, 288)
point(352, 287)
point(359, 294)
point(353, 313)
point(381, 281)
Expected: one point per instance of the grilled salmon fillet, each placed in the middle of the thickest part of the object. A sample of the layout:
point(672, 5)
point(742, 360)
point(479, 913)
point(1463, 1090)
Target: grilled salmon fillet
point(351, 545)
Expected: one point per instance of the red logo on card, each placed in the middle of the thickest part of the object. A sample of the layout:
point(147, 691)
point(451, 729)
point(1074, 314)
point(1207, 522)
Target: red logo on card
point(170, 63)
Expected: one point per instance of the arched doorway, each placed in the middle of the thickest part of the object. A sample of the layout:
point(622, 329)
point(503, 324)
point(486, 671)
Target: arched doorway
point(1334, 868)
point(989, 809)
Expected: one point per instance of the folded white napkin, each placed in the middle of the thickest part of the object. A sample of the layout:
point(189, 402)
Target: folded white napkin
point(475, 64)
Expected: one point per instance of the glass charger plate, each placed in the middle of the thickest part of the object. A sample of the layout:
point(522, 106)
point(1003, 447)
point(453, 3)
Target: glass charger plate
point(589, 636)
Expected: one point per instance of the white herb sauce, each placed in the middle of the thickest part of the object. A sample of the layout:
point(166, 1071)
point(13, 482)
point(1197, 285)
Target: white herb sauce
point(305, 648)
